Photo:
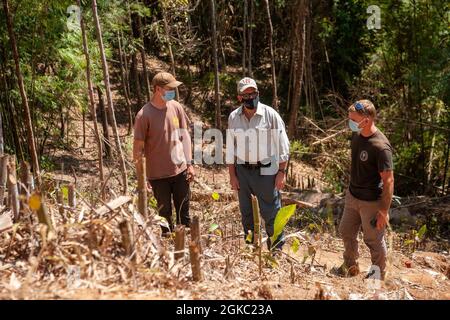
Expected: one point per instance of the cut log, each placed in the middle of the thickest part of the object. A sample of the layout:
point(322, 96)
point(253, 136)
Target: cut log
point(113, 205)
point(294, 198)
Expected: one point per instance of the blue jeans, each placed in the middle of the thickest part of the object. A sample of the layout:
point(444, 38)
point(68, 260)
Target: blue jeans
point(263, 187)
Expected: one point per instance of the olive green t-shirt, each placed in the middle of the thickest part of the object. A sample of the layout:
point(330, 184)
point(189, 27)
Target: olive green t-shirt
point(167, 150)
point(370, 156)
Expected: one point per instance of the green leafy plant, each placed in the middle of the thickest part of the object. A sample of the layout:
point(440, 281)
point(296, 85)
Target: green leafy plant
point(283, 216)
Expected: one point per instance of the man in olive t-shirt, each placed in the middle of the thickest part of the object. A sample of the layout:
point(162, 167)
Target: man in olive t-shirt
point(369, 195)
point(161, 135)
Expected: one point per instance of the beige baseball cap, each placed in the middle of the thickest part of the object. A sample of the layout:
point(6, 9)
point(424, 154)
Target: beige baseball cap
point(246, 83)
point(165, 79)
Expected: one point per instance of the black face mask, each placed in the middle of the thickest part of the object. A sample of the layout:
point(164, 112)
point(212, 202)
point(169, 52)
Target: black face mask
point(251, 103)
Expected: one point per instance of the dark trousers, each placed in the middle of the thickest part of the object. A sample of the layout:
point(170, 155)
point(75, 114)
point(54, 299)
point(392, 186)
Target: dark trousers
point(178, 188)
point(263, 187)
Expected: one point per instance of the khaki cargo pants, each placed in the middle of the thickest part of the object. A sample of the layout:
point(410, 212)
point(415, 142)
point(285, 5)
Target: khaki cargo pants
point(359, 213)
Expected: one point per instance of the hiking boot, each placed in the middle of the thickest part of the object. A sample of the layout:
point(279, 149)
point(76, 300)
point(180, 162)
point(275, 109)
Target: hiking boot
point(345, 271)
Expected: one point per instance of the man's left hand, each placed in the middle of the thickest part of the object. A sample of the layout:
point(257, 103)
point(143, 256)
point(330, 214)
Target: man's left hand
point(382, 219)
point(190, 173)
point(279, 180)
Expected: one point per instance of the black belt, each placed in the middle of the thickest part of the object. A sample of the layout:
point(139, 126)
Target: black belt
point(257, 165)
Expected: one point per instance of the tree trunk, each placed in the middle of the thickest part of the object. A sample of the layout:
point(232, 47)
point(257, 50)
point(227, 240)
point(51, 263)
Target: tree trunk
point(10, 119)
point(250, 29)
point(106, 140)
point(143, 58)
point(244, 40)
point(169, 46)
point(2, 147)
point(433, 143)
point(124, 84)
point(216, 65)
point(135, 77)
point(134, 73)
point(299, 63)
point(272, 58)
point(28, 124)
point(91, 96)
point(109, 97)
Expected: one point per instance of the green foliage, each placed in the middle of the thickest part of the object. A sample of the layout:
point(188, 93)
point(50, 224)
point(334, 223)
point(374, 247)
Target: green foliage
point(281, 220)
point(297, 148)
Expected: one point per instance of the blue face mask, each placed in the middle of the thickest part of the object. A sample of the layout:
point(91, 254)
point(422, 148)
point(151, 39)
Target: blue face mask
point(354, 126)
point(169, 95)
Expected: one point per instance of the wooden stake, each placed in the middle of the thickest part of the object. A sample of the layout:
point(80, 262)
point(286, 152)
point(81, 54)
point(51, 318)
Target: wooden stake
point(72, 196)
point(195, 232)
point(179, 242)
point(43, 216)
point(257, 230)
point(25, 178)
point(256, 221)
point(194, 254)
point(25, 187)
point(13, 196)
point(292, 273)
point(127, 239)
point(142, 188)
point(60, 200)
point(3, 176)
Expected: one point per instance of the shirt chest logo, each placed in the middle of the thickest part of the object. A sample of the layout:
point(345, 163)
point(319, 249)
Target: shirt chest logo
point(363, 155)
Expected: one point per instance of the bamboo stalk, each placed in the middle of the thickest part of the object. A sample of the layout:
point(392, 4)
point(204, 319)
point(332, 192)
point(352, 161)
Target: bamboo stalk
point(13, 196)
point(72, 196)
point(128, 242)
point(257, 230)
point(179, 242)
point(256, 221)
point(142, 188)
point(195, 232)
point(195, 261)
point(3, 176)
point(60, 200)
point(43, 215)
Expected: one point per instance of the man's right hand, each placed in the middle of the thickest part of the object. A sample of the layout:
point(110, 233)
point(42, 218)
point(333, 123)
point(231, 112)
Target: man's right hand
point(234, 182)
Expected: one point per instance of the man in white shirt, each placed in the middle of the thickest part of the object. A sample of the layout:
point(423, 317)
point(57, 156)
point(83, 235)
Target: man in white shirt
point(257, 154)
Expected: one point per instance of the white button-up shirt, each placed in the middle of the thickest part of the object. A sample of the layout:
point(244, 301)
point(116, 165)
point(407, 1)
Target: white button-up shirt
point(263, 138)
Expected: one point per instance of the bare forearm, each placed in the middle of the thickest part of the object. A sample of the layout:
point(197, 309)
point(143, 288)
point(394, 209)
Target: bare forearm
point(386, 196)
point(232, 170)
point(282, 165)
point(138, 149)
